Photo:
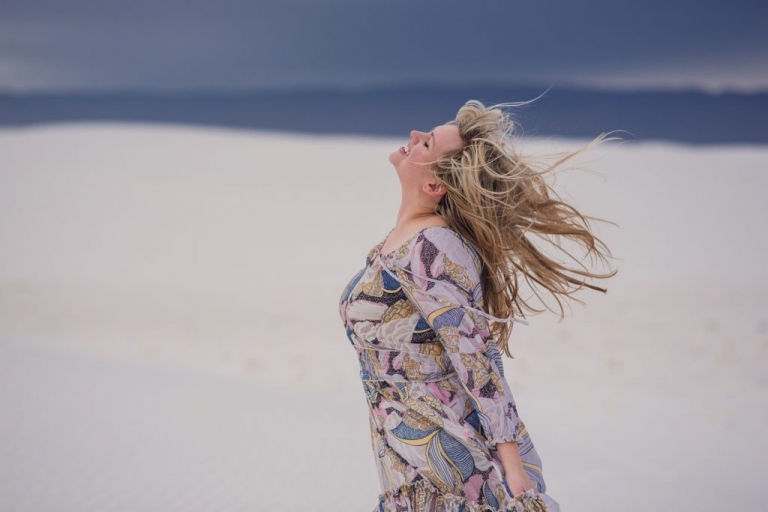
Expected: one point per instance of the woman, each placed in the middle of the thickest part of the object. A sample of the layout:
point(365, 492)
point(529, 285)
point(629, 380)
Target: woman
point(432, 309)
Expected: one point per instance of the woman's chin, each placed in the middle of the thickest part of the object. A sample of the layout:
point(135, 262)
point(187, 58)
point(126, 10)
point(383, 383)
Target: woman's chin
point(396, 156)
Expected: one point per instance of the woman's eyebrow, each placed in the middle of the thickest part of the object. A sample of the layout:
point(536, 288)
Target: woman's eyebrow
point(433, 137)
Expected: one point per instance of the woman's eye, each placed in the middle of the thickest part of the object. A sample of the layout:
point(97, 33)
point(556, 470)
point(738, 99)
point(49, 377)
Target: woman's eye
point(426, 145)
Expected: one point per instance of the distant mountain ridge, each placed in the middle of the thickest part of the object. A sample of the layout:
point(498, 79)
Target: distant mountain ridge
point(680, 116)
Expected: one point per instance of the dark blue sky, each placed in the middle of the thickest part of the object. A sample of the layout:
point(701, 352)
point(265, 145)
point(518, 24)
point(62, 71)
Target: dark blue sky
point(239, 44)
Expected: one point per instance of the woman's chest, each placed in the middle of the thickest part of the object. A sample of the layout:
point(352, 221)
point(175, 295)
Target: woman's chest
point(377, 311)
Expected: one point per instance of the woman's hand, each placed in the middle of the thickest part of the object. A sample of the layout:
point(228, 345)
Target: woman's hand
point(514, 474)
point(519, 482)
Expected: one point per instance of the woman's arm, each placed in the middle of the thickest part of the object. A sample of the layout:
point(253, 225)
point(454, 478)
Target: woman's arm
point(441, 277)
point(517, 478)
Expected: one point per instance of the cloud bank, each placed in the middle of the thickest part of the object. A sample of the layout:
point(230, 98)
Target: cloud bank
point(237, 45)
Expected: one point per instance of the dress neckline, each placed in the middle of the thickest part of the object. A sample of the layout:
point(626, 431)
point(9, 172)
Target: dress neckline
point(405, 244)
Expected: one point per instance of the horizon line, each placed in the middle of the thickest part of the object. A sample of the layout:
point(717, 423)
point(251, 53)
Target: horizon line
point(367, 88)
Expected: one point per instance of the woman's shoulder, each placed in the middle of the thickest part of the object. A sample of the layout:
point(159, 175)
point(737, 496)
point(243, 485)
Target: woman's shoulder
point(448, 239)
point(448, 244)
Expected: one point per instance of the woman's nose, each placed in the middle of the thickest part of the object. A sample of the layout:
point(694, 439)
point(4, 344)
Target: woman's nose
point(415, 134)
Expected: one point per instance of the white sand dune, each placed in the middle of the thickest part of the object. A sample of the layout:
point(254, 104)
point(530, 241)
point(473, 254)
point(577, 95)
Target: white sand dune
point(170, 338)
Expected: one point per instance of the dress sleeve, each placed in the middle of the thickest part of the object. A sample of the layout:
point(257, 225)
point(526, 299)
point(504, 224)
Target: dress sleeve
point(441, 278)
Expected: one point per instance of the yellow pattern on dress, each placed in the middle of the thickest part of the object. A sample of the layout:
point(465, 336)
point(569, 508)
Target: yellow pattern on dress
point(399, 310)
point(458, 274)
point(403, 251)
point(449, 386)
point(421, 416)
point(403, 278)
point(438, 482)
point(412, 368)
point(397, 463)
point(450, 337)
point(389, 393)
point(478, 365)
point(496, 379)
point(433, 402)
point(375, 287)
point(431, 348)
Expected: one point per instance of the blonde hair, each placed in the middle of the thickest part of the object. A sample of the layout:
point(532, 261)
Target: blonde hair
point(495, 198)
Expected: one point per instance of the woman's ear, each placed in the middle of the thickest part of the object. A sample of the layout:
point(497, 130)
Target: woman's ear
point(435, 190)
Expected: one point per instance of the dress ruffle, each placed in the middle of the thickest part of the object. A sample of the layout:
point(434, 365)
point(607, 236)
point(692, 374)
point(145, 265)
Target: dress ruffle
point(422, 496)
point(514, 437)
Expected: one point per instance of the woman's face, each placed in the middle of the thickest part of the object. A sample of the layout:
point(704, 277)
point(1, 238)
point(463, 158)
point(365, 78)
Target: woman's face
point(413, 161)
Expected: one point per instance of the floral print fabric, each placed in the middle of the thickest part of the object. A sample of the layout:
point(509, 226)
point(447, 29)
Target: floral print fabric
point(434, 381)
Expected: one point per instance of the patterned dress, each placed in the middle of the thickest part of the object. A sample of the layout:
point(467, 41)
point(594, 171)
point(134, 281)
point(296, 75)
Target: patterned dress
point(437, 398)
